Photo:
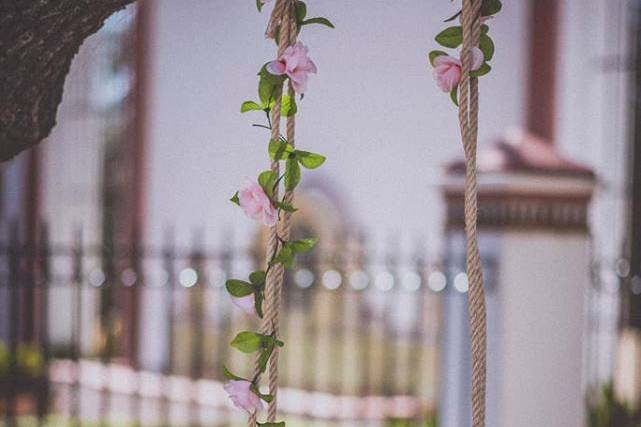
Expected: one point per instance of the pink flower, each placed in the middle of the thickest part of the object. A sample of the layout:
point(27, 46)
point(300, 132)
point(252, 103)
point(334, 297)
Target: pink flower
point(296, 64)
point(447, 69)
point(246, 303)
point(256, 204)
point(240, 393)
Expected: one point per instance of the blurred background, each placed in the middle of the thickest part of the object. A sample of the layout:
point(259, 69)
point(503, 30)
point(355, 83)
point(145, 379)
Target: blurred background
point(116, 234)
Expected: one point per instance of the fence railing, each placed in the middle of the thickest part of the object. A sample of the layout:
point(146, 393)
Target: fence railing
point(132, 334)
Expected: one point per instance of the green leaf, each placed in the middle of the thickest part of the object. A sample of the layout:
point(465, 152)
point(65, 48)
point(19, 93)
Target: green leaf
point(264, 356)
point(266, 397)
point(304, 245)
point(267, 180)
point(289, 250)
point(239, 288)
point(250, 106)
point(259, 5)
point(268, 85)
point(259, 296)
point(435, 54)
point(284, 206)
point(288, 106)
point(265, 90)
point(292, 174)
point(490, 7)
point(285, 256)
point(309, 160)
point(257, 278)
point(235, 199)
point(247, 342)
point(322, 21)
point(279, 424)
point(271, 78)
point(279, 150)
point(450, 37)
point(454, 95)
point(487, 47)
point(231, 376)
point(301, 11)
point(485, 68)
point(484, 29)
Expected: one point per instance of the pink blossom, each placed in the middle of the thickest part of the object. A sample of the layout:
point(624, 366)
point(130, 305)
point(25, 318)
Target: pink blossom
point(447, 69)
point(256, 204)
point(240, 393)
point(246, 303)
point(296, 64)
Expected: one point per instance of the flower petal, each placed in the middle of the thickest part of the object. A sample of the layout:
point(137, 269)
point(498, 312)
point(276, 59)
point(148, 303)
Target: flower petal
point(477, 58)
point(276, 68)
point(446, 60)
point(246, 303)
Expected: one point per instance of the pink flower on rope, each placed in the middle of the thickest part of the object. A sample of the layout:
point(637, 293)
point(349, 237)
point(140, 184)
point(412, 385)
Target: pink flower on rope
point(256, 204)
point(447, 69)
point(246, 303)
point(295, 63)
point(240, 393)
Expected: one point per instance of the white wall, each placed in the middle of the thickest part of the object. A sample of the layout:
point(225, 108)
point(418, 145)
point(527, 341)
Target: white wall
point(593, 126)
point(373, 109)
point(543, 280)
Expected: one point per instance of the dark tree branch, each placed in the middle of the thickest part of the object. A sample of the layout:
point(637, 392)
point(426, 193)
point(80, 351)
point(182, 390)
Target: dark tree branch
point(38, 40)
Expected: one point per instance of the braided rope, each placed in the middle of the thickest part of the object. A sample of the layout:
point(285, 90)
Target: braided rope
point(282, 23)
point(468, 120)
point(278, 282)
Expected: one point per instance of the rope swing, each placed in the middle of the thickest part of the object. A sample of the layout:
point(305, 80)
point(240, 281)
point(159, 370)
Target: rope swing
point(282, 25)
point(261, 294)
point(468, 121)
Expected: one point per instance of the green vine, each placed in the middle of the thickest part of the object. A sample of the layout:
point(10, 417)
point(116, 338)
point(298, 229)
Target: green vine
point(260, 202)
point(447, 68)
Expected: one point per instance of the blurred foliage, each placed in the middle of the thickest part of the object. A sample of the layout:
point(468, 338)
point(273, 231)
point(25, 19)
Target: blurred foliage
point(29, 360)
point(430, 420)
point(607, 411)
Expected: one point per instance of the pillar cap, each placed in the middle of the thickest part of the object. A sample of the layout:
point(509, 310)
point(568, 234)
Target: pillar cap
point(523, 182)
point(521, 152)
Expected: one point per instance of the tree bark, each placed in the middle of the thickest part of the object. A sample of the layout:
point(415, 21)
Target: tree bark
point(38, 40)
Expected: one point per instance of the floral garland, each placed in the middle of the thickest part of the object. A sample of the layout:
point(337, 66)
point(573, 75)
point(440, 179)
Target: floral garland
point(259, 201)
point(447, 69)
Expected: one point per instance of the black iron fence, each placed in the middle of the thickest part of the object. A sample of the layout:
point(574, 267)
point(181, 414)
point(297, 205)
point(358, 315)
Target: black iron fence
point(137, 335)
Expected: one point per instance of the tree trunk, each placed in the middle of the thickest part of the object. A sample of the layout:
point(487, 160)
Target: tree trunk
point(38, 40)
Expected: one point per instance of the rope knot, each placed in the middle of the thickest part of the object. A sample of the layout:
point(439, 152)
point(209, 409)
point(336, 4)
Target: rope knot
point(277, 18)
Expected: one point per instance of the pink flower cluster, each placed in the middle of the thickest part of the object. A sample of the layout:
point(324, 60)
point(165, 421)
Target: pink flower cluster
point(448, 69)
point(242, 396)
point(294, 63)
point(257, 205)
point(246, 303)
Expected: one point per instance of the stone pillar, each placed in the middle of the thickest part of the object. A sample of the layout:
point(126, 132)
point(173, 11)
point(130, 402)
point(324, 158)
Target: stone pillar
point(535, 245)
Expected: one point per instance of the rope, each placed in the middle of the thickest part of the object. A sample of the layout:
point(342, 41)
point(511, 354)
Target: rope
point(282, 23)
point(468, 120)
